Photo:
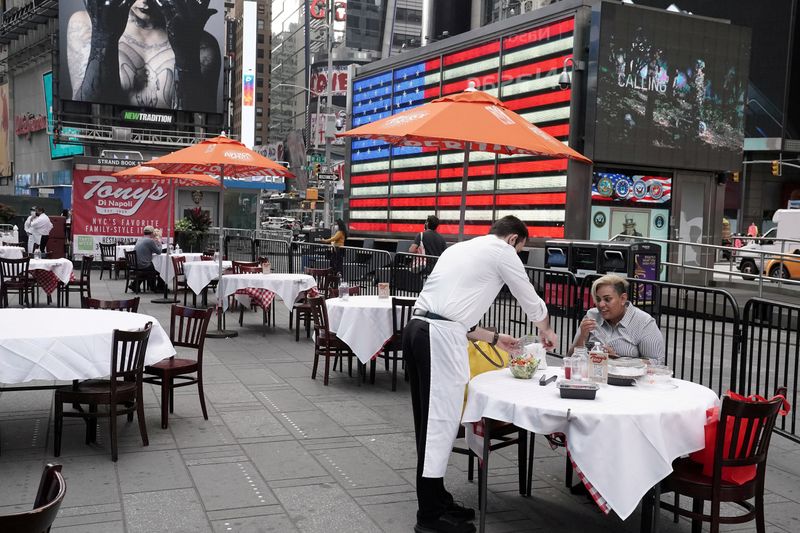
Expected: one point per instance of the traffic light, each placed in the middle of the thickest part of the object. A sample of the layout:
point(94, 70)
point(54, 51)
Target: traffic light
point(317, 169)
point(776, 168)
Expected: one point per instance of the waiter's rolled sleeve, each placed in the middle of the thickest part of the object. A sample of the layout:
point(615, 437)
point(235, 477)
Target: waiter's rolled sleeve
point(513, 273)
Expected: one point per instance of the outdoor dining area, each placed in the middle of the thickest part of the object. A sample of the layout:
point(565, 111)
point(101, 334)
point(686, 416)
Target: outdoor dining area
point(209, 393)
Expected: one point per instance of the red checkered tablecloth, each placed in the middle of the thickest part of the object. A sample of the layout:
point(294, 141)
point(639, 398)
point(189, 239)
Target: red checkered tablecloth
point(47, 279)
point(596, 496)
point(260, 297)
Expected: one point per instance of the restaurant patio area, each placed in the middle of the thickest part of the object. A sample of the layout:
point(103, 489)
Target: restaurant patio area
point(281, 452)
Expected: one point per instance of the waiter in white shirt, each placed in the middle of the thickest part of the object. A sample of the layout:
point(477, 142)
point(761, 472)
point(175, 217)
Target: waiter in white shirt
point(464, 283)
point(41, 227)
point(32, 239)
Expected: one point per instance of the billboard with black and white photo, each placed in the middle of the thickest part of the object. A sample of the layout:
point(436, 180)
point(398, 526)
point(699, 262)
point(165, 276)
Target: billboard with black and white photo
point(671, 89)
point(153, 54)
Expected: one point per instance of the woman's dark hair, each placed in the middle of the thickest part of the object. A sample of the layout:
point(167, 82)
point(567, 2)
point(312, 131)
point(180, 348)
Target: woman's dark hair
point(509, 225)
point(432, 222)
point(65, 213)
point(342, 227)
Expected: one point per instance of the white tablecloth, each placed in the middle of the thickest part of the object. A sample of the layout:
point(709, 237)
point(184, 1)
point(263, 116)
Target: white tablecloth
point(122, 248)
point(287, 286)
point(67, 344)
point(624, 441)
point(11, 252)
point(165, 268)
point(201, 273)
point(62, 268)
point(363, 322)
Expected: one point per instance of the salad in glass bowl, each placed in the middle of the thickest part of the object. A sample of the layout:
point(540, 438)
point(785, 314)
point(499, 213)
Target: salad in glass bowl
point(523, 366)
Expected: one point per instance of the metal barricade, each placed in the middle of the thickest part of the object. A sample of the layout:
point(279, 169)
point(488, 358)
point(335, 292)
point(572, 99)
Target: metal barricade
point(408, 273)
point(310, 255)
point(239, 248)
point(360, 266)
point(770, 355)
point(277, 251)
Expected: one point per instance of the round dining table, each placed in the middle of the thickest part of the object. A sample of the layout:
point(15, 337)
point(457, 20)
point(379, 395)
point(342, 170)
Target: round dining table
point(163, 264)
point(287, 286)
point(363, 322)
point(68, 344)
point(11, 252)
point(623, 442)
point(200, 273)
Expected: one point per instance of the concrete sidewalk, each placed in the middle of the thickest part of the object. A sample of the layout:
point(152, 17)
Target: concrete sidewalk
point(281, 452)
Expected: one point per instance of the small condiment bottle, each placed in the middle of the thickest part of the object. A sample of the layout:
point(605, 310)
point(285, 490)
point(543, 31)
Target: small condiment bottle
point(598, 364)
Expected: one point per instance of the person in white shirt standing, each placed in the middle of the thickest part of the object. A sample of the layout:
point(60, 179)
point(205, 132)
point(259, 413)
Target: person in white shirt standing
point(32, 238)
point(460, 289)
point(41, 227)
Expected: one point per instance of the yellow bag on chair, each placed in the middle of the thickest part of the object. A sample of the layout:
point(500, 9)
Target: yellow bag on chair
point(483, 357)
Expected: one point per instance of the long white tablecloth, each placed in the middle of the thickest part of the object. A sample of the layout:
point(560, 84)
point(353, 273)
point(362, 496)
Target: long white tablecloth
point(164, 266)
point(61, 268)
point(11, 252)
point(624, 441)
point(67, 344)
point(363, 322)
point(287, 286)
point(201, 273)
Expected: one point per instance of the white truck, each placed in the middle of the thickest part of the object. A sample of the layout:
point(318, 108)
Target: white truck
point(783, 238)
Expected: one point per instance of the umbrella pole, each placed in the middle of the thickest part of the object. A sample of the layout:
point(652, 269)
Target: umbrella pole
point(166, 299)
point(221, 333)
point(463, 211)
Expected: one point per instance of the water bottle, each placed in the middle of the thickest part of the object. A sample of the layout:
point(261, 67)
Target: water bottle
point(171, 250)
point(344, 290)
point(37, 254)
point(580, 359)
point(178, 249)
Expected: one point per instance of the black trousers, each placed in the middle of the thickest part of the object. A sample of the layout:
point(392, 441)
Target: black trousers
point(433, 499)
point(43, 243)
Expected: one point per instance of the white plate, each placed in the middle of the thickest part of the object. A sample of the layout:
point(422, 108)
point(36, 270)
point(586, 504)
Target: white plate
point(659, 386)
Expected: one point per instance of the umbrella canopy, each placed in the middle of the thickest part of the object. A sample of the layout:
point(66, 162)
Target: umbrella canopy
point(179, 180)
point(472, 120)
point(219, 156)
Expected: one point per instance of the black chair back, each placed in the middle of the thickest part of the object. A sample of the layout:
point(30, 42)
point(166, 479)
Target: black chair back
point(188, 327)
point(130, 258)
point(52, 489)
point(131, 306)
point(108, 251)
point(403, 311)
point(14, 270)
point(127, 356)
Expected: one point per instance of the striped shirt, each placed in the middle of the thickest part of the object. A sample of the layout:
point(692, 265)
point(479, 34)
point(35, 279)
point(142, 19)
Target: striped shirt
point(636, 335)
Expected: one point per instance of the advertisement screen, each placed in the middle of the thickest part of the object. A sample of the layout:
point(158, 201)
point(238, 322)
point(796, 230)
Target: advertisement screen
point(57, 151)
point(149, 40)
point(671, 89)
point(631, 188)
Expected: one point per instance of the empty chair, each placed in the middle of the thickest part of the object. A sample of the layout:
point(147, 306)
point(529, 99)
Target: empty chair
point(121, 393)
point(187, 328)
point(748, 423)
point(15, 278)
point(326, 343)
point(52, 489)
point(131, 306)
point(83, 285)
point(325, 278)
point(402, 311)
point(179, 279)
point(109, 261)
point(333, 292)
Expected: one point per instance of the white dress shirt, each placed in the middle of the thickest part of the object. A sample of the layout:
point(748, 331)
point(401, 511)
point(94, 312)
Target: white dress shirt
point(469, 275)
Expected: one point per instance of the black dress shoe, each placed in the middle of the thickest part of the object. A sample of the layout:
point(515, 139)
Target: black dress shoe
point(460, 512)
point(446, 523)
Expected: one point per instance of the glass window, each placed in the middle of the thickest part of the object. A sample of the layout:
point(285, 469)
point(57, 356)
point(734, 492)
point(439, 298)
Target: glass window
point(260, 111)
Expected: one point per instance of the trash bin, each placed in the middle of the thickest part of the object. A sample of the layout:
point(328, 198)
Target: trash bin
point(557, 254)
point(614, 258)
point(584, 258)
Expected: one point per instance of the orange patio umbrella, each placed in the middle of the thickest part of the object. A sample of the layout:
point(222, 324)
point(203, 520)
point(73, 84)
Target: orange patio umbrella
point(175, 180)
point(225, 158)
point(472, 120)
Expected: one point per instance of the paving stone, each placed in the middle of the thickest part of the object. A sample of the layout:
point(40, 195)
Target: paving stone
point(221, 393)
point(397, 450)
point(251, 424)
point(20, 481)
point(257, 375)
point(103, 527)
point(90, 480)
point(357, 467)
point(256, 524)
point(174, 511)
point(284, 400)
point(196, 432)
point(152, 470)
point(324, 508)
point(350, 413)
point(311, 425)
point(283, 460)
point(287, 370)
point(230, 486)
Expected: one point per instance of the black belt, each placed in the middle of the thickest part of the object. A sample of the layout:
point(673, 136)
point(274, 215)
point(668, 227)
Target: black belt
point(428, 314)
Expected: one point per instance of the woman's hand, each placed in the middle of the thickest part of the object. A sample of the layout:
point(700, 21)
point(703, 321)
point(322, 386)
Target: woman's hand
point(587, 326)
point(507, 343)
point(612, 353)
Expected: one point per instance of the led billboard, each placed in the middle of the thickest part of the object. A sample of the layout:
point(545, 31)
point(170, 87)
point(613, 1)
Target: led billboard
point(57, 150)
point(671, 89)
point(154, 54)
point(393, 189)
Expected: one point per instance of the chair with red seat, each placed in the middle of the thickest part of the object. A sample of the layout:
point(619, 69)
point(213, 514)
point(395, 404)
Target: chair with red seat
point(187, 328)
point(743, 422)
point(52, 489)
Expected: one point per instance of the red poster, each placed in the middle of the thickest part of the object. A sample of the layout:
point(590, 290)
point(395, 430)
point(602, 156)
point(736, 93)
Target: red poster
point(106, 206)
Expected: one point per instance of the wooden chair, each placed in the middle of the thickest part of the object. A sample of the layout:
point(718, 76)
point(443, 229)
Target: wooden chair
point(121, 393)
point(187, 328)
point(52, 489)
point(83, 285)
point(326, 344)
point(403, 311)
point(752, 421)
point(238, 266)
point(15, 277)
point(325, 278)
point(131, 306)
point(268, 315)
point(179, 279)
point(108, 259)
point(135, 275)
point(333, 292)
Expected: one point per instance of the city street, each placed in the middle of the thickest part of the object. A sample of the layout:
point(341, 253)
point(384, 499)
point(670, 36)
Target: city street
point(283, 453)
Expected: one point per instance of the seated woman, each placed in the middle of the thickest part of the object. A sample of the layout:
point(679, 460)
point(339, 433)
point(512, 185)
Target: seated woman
point(622, 329)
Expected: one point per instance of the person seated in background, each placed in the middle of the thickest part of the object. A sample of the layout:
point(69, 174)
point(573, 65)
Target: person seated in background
point(145, 247)
point(622, 328)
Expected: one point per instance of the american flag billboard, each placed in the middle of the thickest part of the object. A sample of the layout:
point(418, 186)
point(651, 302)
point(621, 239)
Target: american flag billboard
point(609, 187)
point(393, 189)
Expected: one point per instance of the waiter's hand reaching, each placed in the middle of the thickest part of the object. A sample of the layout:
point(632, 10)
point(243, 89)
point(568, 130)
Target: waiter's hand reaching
point(507, 342)
point(548, 338)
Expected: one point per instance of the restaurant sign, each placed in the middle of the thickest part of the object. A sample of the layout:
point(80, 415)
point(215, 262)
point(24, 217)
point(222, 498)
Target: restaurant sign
point(29, 123)
point(108, 208)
